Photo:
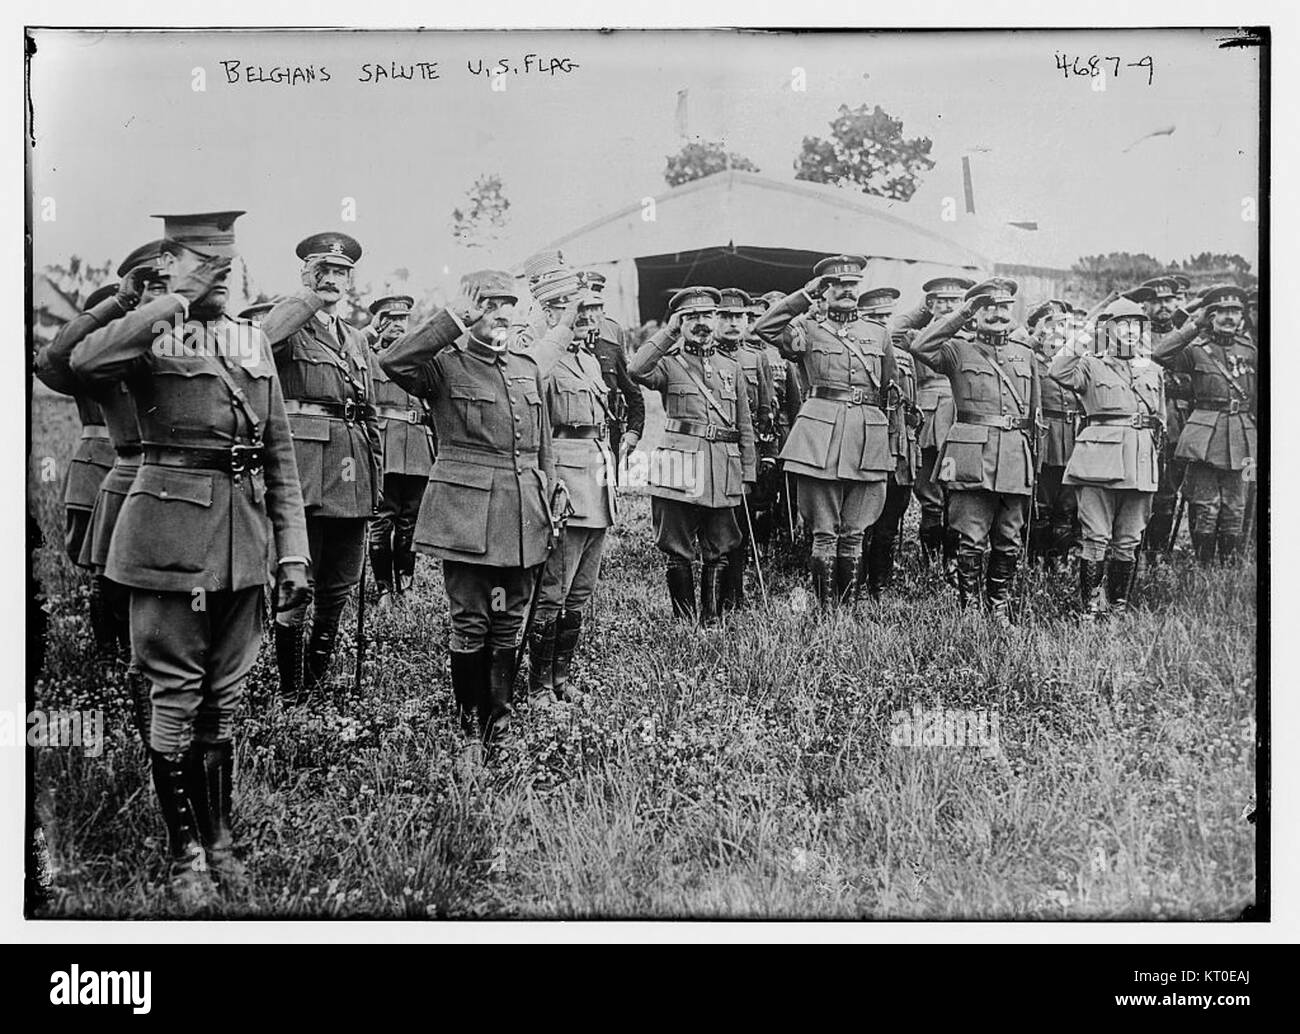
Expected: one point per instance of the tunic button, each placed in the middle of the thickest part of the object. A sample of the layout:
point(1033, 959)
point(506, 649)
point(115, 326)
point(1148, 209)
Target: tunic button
point(518, 436)
point(163, 493)
point(519, 470)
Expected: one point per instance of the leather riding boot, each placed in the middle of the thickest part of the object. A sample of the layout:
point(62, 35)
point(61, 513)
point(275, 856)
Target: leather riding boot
point(494, 717)
point(468, 688)
point(733, 579)
point(931, 539)
point(712, 575)
point(289, 653)
point(1203, 543)
point(846, 579)
point(1001, 573)
point(381, 562)
point(950, 556)
point(880, 563)
point(1228, 545)
point(190, 881)
point(320, 651)
point(210, 771)
point(862, 585)
point(566, 641)
point(1119, 577)
point(681, 591)
point(1158, 529)
point(103, 626)
point(1090, 575)
point(823, 579)
point(969, 570)
point(541, 663)
point(403, 558)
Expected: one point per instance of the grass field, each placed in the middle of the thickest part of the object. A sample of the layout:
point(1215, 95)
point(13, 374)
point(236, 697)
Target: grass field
point(748, 771)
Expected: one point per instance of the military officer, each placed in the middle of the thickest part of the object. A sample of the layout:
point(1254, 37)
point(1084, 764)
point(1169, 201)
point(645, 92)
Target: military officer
point(876, 572)
point(1114, 466)
point(577, 401)
point(1218, 441)
point(733, 338)
point(486, 511)
point(987, 460)
point(838, 450)
point(1052, 532)
point(217, 483)
point(408, 456)
point(699, 472)
point(943, 296)
point(324, 368)
point(93, 456)
point(1163, 299)
point(626, 406)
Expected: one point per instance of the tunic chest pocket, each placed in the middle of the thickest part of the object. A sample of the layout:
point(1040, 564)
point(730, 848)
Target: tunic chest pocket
point(1111, 395)
point(828, 362)
point(576, 405)
point(981, 382)
point(533, 431)
point(472, 404)
point(681, 403)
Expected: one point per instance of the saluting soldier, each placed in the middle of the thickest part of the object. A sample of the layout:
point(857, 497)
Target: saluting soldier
point(733, 338)
point(1052, 533)
point(987, 461)
point(408, 456)
point(838, 449)
point(1114, 466)
point(881, 540)
point(625, 404)
point(217, 483)
point(577, 402)
point(93, 456)
point(486, 511)
point(1163, 299)
point(1218, 441)
point(943, 296)
point(324, 368)
point(700, 470)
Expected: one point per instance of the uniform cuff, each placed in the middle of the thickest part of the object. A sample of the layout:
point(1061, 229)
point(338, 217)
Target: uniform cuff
point(455, 318)
point(294, 560)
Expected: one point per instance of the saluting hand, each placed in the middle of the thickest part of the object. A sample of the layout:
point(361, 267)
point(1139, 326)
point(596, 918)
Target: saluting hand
point(311, 272)
point(132, 287)
point(200, 280)
point(292, 588)
point(468, 305)
point(815, 287)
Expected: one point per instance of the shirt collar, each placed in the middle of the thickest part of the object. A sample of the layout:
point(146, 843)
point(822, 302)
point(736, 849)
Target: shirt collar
point(482, 351)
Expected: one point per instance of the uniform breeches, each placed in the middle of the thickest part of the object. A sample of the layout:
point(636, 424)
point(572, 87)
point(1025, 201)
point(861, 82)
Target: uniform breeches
point(678, 525)
point(392, 530)
point(983, 519)
point(1216, 499)
point(337, 547)
point(195, 650)
point(928, 492)
point(1114, 517)
point(838, 512)
point(487, 604)
point(571, 572)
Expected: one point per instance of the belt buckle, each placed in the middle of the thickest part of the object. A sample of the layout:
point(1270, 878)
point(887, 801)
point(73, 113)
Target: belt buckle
point(1137, 421)
point(349, 410)
point(710, 432)
point(857, 396)
point(1234, 407)
point(237, 465)
point(412, 416)
point(1008, 424)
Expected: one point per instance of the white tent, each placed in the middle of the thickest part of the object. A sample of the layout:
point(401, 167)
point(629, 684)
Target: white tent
point(744, 230)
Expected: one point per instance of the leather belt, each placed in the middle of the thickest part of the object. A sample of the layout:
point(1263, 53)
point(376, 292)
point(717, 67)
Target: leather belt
point(579, 431)
point(853, 396)
point(710, 432)
point(235, 460)
point(349, 409)
point(128, 452)
point(94, 431)
point(411, 416)
point(1141, 421)
point(1230, 406)
point(1005, 421)
point(1061, 414)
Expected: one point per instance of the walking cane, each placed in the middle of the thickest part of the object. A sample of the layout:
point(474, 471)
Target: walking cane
point(361, 628)
point(758, 567)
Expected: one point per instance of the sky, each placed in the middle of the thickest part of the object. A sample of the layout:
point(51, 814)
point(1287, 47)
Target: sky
point(121, 133)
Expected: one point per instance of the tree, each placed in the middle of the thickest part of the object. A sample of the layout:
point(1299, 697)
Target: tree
point(483, 219)
point(1117, 271)
point(703, 158)
point(866, 148)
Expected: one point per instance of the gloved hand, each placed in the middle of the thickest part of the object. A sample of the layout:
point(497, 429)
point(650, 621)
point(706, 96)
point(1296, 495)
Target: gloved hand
point(200, 280)
point(132, 287)
point(292, 587)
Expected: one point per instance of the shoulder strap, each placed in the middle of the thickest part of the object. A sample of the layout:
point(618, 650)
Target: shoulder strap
point(704, 390)
point(852, 346)
point(599, 390)
point(1010, 384)
point(250, 413)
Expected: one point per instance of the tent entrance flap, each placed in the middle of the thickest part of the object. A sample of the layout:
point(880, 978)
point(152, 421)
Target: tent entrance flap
point(756, 270)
